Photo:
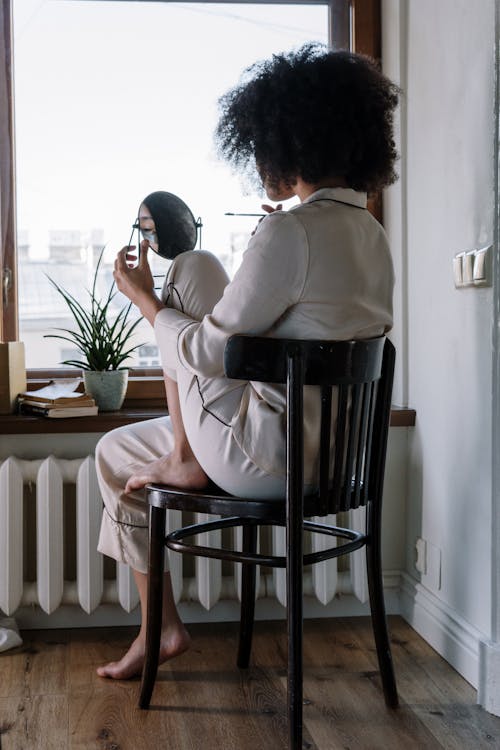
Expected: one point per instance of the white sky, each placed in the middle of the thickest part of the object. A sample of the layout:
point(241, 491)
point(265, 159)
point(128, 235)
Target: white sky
point(117, 99)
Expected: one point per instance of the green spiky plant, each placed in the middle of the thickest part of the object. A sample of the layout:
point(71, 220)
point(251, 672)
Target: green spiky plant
point(102, 342)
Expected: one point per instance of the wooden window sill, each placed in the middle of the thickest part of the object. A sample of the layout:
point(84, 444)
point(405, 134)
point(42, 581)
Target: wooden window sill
point(16, 424)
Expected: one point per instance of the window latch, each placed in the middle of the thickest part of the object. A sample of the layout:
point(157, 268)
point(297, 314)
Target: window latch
point(6, 286)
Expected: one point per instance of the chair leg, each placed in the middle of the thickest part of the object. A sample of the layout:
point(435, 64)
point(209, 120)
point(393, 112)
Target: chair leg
point(248, 576)
point(295, 637)
point(294, 545)
point(155, 603)
point(377, 605)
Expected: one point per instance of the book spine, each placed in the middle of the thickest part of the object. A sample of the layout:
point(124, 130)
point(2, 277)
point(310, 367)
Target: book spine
point(39, 411)
point(47, 405)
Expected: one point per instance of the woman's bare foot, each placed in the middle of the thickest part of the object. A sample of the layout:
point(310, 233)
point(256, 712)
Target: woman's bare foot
point(173, 643)
point(185, 473)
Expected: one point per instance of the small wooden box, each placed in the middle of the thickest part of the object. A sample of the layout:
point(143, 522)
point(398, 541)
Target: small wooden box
point(12, 374)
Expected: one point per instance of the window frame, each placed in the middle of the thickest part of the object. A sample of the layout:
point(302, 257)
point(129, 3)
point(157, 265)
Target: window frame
point(353, 24)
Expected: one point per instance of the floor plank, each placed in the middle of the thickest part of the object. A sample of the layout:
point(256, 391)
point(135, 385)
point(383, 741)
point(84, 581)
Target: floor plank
point(39, 722)
point(51, 697)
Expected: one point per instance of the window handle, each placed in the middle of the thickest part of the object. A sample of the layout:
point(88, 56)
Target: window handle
point(6, 286)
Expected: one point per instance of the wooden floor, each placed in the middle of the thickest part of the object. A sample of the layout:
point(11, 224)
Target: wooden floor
point(50, 696)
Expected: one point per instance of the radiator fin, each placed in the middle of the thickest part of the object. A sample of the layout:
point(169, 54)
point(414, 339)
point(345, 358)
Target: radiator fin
point(324, 574)
point(88, 522)
point(11, 535)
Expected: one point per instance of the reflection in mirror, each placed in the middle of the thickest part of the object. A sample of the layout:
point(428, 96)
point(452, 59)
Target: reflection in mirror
point(146, 226)
point(167, 223)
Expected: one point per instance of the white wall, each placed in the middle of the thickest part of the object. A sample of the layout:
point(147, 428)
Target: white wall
point(443, 54)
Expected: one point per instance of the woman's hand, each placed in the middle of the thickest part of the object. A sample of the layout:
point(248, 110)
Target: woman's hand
point(269, 210)
point(137, 283)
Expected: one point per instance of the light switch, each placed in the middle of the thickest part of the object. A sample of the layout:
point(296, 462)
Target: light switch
point(473, 268)
point(481, 266)
point(457, 269)
point(468, 267)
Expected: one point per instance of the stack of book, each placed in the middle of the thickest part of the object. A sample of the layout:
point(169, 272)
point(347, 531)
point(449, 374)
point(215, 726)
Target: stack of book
point(57, 400)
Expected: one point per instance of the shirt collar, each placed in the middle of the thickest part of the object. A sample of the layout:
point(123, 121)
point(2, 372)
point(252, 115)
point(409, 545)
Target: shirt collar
point(343, 195)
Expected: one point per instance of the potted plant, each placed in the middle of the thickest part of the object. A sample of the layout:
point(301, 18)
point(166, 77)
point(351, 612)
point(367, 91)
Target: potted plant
point(103, 342)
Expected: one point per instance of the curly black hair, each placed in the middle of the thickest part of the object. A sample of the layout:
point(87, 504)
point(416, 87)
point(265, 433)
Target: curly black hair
point(311, 113)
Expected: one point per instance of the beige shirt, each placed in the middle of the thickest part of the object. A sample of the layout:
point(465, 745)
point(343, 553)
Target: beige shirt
point(321, 270)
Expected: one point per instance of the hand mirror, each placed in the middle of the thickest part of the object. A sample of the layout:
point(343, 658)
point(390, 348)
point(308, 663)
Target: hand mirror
point(171, 228)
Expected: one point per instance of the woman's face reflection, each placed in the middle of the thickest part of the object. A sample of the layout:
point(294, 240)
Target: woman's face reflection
point(147, 227)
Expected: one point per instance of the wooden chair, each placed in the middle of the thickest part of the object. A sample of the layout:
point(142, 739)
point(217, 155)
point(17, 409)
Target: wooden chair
point(355, 378)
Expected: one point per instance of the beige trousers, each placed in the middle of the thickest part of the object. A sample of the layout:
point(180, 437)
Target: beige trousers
point(194, 284)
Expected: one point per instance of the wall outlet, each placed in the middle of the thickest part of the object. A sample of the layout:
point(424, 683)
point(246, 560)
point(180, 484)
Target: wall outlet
point(428, 563)
point(421, 555)
point(432, 576)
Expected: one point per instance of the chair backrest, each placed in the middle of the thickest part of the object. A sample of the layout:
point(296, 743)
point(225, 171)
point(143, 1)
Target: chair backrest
point(355, 380)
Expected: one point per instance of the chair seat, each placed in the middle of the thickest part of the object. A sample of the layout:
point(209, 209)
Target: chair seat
point(215, 501)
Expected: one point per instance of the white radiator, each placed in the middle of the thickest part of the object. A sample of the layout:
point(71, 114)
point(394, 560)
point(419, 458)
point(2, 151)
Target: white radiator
point(51, 477)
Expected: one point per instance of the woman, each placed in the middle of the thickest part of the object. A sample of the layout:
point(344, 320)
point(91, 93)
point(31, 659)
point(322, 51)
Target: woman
point(314, 124)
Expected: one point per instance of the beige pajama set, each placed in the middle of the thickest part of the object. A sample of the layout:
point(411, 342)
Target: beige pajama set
point(321, 270)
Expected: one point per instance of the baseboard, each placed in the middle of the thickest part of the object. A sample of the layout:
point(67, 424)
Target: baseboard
point(488, 695)
point(456, 640)
point(69, 616)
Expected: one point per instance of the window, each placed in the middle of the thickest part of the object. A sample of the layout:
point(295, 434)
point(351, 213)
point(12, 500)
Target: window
point(104, 126)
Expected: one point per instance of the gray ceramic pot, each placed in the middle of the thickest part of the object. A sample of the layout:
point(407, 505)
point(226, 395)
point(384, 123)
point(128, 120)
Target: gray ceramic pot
point(107, 387)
